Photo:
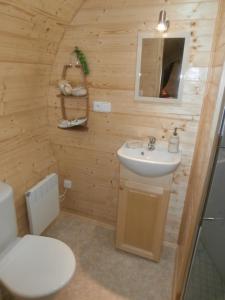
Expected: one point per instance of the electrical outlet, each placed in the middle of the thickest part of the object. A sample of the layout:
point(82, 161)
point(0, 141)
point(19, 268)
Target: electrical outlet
point(67, 184)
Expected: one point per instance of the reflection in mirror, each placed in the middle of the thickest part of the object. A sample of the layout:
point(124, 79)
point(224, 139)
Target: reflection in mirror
point(160, 67)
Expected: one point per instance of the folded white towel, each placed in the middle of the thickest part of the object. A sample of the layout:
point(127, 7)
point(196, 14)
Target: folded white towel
point(71, 123)
point(79, 91)
point(65, 87)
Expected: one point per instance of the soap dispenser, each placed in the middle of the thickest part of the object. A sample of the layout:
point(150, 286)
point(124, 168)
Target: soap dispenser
point(174, 141)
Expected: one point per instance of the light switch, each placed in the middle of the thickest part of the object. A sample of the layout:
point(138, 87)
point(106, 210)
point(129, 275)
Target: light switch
point(102, 106)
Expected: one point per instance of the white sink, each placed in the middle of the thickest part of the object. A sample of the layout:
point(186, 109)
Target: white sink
point(136, 157)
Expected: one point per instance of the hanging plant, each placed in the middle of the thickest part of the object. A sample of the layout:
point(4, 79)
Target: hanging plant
point(82, 60)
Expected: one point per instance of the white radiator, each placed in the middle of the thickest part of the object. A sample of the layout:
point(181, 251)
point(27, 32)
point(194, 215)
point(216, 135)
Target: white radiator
point(43, 203)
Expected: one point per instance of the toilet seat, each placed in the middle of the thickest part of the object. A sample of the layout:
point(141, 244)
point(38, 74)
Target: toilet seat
point(37, 266)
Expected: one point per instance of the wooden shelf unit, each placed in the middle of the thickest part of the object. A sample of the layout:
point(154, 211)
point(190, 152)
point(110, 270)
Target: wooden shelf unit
point(85, 98)
point(72, 96)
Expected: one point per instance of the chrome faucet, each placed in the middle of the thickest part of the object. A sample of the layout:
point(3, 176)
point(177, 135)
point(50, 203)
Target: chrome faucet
point(151, 143)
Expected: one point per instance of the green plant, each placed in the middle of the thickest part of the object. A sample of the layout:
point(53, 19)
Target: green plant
point(82, 60)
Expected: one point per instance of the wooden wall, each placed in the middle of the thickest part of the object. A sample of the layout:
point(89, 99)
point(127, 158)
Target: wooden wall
point(107, 32)
point(30, 31)
point(205, 149)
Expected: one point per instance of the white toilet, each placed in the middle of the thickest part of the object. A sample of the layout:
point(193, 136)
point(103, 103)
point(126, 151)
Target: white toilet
point(31, 267)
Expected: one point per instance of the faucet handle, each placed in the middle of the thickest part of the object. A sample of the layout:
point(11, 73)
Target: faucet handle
point(152, 140)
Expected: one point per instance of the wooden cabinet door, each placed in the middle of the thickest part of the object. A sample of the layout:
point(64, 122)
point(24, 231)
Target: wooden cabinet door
point(141, 222)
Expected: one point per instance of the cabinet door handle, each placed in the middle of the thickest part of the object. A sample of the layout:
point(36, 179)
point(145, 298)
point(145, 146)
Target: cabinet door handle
point(211, 219)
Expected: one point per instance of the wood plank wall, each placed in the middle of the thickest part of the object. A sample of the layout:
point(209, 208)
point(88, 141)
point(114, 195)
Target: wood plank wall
point(30, 31)
point(205, 149)
point(107, 32)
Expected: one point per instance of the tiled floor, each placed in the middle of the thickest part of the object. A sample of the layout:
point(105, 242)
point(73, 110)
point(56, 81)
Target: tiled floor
point(104, 273)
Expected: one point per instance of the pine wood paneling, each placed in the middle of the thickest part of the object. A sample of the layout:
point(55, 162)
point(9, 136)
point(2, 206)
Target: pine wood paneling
point(202, 164)
point(30, 31)
point(107, 32)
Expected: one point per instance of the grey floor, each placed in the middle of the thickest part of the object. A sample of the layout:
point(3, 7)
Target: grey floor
point(105, 273)
point(205, 282)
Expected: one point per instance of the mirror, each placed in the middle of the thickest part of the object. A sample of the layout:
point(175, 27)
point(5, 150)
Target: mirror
point(160, 67)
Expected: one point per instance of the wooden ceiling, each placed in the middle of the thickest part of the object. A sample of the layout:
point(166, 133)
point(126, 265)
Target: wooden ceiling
point(34, 27)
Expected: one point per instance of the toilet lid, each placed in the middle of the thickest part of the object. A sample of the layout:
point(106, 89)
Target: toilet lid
point(37, 266)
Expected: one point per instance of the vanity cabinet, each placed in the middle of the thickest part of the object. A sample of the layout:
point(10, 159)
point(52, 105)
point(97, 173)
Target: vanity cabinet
point(142, 211)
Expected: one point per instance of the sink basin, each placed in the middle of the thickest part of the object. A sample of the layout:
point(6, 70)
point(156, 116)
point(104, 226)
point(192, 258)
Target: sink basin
point(137, 158)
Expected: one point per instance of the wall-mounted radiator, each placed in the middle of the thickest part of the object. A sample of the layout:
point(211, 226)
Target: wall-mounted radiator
point(43, 203)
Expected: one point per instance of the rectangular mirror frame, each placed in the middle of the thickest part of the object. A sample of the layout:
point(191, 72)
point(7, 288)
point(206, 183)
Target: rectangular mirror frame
point(144, 35)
